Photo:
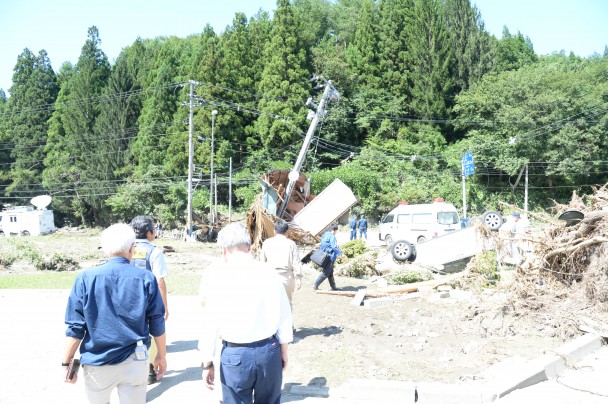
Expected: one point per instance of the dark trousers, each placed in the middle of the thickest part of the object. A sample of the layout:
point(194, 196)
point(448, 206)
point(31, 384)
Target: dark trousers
point(328, 273)
point(252, 374)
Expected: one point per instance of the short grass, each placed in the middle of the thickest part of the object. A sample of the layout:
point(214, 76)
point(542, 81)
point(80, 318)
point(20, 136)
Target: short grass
point(185, 284)
point(18, 254)
point(39, 280)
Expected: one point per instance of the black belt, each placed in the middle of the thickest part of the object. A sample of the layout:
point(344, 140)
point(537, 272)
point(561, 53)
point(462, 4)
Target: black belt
point(248, 344)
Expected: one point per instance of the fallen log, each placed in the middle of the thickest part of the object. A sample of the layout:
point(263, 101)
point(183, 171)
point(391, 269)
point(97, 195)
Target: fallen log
point(413, 287)
point(349, 293)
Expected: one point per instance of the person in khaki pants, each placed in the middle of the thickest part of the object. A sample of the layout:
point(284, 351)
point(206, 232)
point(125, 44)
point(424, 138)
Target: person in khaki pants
point(111, 309)
point(282, 254)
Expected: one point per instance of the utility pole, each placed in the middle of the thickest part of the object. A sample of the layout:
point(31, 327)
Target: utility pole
point(230, 194)
point(211, 215)
point(526, 192)
point(295, 173)
point(190, 155)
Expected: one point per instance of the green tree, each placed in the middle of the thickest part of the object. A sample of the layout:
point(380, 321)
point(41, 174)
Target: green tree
point(362, 52)
point(474, 50)
point(549, 115)
point(429, 55)
point(73, 153)
point(515, 51)
point(284, 82)
point(33, 92)
point(395, 19)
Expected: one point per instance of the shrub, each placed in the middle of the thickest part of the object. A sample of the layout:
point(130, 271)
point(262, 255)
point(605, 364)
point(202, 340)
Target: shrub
point(58, 263)
point(354, 248)
point(359, 267)
point(405, 276)
point(16, 249)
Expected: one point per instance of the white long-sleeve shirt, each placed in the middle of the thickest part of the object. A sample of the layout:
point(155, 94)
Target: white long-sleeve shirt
point(245, 301)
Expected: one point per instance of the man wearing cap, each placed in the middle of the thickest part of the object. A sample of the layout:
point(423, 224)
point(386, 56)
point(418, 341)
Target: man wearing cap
point(246, 305)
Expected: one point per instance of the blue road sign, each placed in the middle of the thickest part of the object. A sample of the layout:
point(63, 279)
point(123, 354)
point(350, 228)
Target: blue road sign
point(467, 164)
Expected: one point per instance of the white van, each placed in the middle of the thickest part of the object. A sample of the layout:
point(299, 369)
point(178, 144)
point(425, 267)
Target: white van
point(418, 223)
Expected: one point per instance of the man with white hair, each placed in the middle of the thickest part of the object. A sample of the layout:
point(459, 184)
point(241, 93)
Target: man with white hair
point(246, 305)
point(111, 310)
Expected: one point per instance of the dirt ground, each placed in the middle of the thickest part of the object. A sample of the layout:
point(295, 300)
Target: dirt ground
point(426, 338)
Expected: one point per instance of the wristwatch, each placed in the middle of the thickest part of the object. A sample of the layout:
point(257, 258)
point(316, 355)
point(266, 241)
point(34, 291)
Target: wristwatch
point(209, 366)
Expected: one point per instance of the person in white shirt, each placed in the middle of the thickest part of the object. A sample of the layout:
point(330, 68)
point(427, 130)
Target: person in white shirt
point(282, 254)
point(246, 305)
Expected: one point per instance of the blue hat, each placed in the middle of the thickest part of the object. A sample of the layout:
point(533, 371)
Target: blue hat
point(516, 214)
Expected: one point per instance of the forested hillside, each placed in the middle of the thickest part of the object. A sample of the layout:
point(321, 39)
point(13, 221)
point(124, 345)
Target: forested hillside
point(421, 83)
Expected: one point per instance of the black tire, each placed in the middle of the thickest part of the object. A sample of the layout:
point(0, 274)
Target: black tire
point(388, 239)
point(402, 250)
point(421, 239)
point(25, 233)
point(492, 220)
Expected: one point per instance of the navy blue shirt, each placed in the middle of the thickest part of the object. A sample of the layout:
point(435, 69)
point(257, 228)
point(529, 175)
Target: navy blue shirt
point(111, 307)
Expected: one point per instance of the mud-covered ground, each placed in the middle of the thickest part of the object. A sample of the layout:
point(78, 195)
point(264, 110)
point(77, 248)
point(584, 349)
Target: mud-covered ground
point(424, 338)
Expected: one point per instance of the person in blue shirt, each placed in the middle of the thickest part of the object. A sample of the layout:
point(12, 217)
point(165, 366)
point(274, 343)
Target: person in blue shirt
point(363, 227)
point(111, 309)
point(329, 244)
point(353, 227)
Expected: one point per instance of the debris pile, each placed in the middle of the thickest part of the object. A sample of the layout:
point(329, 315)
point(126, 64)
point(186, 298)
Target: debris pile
point(260, 223)
point(564, 280)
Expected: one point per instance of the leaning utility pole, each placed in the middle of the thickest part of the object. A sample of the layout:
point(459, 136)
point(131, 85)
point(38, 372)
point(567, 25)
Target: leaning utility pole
point(295, 173)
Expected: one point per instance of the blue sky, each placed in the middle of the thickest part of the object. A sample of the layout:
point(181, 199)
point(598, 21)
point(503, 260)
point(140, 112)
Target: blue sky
point(60, 26)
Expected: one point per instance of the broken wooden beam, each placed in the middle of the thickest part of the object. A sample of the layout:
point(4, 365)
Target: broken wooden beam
point(413, 287)
point(350, 293)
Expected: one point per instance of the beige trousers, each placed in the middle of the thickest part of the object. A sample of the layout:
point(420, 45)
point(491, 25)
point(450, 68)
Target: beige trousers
point(130, 377)
point(289, 282)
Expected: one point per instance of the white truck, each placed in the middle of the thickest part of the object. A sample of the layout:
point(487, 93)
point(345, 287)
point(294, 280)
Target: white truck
point(27, 221)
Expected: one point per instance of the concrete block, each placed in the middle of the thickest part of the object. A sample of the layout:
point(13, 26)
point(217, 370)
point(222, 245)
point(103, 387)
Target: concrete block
point(377, 391)
point(552, 363)
point(518, 379)
point(578, 348)
point(358, 297)
point(439, 393)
